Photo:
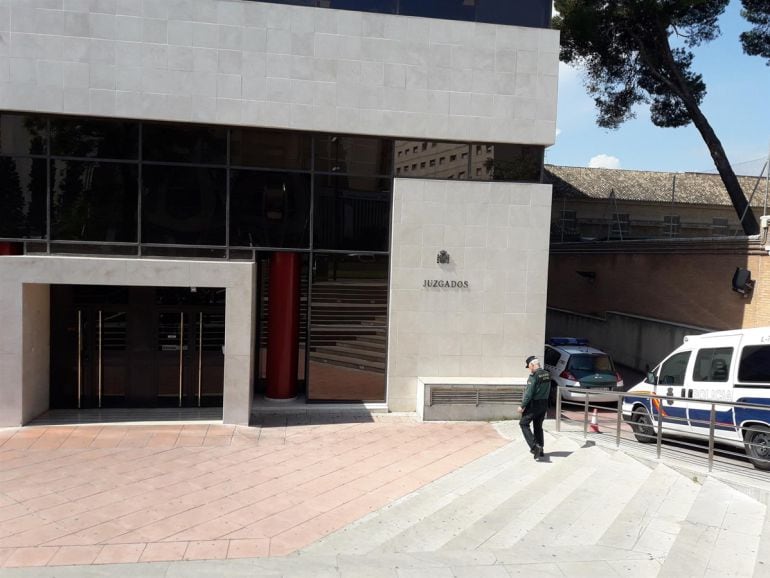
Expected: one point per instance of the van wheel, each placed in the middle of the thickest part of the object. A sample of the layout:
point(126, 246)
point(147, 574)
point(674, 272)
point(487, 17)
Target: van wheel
point(641, 423)
point(758, 446)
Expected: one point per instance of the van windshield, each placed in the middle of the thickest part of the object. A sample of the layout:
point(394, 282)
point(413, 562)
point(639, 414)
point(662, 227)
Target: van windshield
point(585, 364)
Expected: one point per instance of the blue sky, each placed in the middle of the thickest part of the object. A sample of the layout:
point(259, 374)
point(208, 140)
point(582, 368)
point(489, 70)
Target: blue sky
point(737, 105)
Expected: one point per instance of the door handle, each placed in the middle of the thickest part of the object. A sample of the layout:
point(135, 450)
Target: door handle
point(682, 393)
point(689, 393)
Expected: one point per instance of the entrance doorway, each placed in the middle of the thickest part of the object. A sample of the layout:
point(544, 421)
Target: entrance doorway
point(136, 346)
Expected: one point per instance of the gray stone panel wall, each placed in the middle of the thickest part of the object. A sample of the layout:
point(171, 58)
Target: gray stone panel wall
point(24, 312)
point(252, 63)
point(497, 237)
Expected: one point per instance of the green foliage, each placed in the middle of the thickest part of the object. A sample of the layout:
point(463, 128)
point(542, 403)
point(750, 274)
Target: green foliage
point(624, 47)
point(756, 41)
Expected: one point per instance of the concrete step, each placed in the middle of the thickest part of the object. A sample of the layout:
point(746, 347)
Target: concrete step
point(527, 507)
point(586, 512)
point(356, 353)
point(720, 535)
point(376, 338)
point(444, 528)
point(651, 520)
point(371, 531)
point(345, 361)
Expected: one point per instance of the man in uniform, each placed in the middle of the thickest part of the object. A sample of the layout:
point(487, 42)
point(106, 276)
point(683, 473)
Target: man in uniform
point(534, 405)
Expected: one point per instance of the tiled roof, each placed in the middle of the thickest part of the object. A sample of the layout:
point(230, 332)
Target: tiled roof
point(647, 186)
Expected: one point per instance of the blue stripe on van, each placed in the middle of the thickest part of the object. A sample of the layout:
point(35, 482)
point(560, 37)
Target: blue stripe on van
point(724, 419)
point(744, 414)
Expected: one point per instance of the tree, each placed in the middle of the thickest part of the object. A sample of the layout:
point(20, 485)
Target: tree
point(756, 41)
point(625, 48)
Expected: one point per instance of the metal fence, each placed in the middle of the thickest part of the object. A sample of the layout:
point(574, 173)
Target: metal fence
point(755, 436)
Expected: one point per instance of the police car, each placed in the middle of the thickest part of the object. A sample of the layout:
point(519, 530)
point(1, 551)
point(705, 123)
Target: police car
point(710, 370)
point(575, 365)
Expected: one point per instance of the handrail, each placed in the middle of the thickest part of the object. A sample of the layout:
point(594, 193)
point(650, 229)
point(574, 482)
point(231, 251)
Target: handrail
point(660, 420)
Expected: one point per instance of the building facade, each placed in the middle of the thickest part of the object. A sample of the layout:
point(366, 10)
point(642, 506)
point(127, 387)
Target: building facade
point(207, 201)
point(591, 204)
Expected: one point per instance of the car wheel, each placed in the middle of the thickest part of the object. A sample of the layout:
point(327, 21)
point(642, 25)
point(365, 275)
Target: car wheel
point(641, 423)
point(758, 446)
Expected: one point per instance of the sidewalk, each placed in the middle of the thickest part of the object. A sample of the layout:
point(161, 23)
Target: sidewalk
point(110, 494)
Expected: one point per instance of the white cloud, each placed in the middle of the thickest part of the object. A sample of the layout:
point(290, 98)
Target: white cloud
point(604, 162)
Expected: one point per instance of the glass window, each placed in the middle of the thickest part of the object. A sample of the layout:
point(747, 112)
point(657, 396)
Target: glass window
point(269, 149)
point(351, 213)
point(551, 356)
point(712, 364)
point(348, 328)
point(673, 369)
point(449, 9)
point(183, 205)
point(509, 162)
point(584, 364)
point(84, 137)
point(535, 13)
point(354, 155)
point(94, 201)
point(269, 209)
point(428, 167)
point(380, 6)
point(23, 198)
point(184, 143)
point(755, 364)
point(22, 134)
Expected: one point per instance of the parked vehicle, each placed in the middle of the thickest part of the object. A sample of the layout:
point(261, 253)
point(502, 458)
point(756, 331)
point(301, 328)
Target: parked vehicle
point(725, 366)
point(575, 365)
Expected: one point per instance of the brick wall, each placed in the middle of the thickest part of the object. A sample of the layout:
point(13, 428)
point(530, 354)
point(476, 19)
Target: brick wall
point(681, 282)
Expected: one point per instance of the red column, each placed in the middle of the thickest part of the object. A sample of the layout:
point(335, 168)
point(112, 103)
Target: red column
point(10, 248)
point(283, 326)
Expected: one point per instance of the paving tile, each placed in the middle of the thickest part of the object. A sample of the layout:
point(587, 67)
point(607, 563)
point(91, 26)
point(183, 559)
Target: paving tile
point(207, 550)
point(75, 555)
point(253, 548)
point(36, 556)
point(120, 554)
point(163, 551)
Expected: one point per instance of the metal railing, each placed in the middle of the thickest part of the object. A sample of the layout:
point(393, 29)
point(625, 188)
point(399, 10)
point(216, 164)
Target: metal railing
point(758, 453)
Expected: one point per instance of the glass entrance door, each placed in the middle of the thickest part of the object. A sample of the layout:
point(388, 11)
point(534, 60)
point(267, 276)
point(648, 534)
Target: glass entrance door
point(152, 347)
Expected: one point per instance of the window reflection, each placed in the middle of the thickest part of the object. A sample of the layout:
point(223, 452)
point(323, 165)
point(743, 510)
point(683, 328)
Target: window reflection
point(22, 134)
point(269, 209)
point(269, 149)
point(535, 13)
point(348, 328)
point(352, 213)
point(506, 162)
point(184, 143)
point(83, 137)
point(94, 201)
point(22, 198)
point(183, 205)
point(424, 159)
point(353, 155)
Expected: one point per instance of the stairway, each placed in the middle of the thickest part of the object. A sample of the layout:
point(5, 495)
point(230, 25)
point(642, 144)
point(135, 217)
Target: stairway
point(584, 511)
point(350, 325)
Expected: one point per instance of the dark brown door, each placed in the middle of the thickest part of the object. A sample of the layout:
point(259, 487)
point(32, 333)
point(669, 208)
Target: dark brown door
point(139, 353)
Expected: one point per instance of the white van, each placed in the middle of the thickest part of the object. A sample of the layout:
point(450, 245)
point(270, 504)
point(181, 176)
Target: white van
point(726, 366)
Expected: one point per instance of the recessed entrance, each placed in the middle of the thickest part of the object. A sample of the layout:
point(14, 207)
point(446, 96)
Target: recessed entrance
point(115, 346)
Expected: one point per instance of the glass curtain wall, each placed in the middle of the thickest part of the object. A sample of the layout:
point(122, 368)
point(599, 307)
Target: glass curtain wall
point(115, 187)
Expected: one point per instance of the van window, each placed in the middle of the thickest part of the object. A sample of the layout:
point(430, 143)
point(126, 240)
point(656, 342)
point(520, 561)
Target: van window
point(755, 364)
point(712, 364)
point(673, 369)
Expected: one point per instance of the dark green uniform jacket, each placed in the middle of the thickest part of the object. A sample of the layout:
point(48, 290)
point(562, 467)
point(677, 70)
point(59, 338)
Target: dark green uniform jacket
point(538, 387)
